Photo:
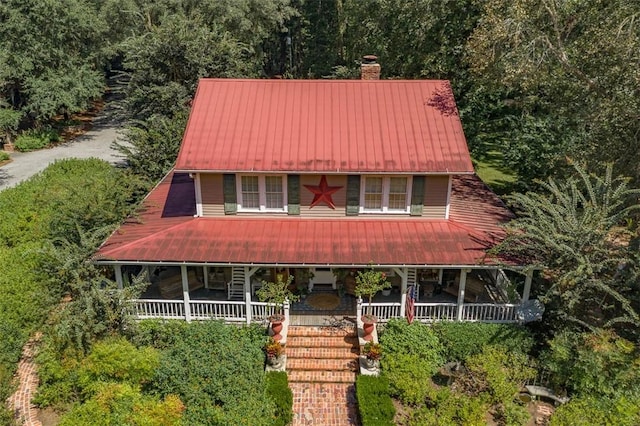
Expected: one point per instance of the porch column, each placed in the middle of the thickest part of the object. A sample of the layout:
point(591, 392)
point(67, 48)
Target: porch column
point(185, 292)
point(118, 270)
point(205, 274)
point(527, 285)
point(463, 282)
point(248, 273)
point(247, 293)
point(404, 275)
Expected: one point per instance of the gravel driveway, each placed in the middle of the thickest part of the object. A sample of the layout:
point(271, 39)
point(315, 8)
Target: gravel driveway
point(95, 143)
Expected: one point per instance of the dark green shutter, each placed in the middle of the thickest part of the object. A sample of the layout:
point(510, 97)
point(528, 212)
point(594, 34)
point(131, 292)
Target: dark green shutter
point(353, 195)
point(417, 195)
point(230, 194)
point(293, 194)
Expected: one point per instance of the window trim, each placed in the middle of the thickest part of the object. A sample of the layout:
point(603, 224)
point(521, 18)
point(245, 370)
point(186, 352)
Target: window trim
point(386, 186)
point(262, 194)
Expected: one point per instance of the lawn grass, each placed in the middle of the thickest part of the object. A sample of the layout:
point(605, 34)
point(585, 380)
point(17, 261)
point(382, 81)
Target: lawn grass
point(492, 171)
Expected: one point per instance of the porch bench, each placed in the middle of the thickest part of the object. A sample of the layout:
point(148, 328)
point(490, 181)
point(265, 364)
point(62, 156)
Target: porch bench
point(171, 287)
point(541, 391)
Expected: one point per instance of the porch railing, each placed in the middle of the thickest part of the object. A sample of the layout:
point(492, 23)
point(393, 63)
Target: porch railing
point(487, 312)
point(432, 312)
point(383, 311)
point(225, 310)
point(156, 308)
point(232, 311)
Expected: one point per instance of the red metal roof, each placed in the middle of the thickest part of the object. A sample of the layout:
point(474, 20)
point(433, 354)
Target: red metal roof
point(328, 126)
point(168, 233)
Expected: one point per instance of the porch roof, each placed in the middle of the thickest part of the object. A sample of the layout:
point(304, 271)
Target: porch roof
point(167, 231)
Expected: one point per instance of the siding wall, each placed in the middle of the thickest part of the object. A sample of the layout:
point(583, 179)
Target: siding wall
point(435, 198)
point(212, 198)
point(322, 210)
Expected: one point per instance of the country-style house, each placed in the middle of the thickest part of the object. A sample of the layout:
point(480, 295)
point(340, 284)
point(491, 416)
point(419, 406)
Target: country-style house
point(317, 179)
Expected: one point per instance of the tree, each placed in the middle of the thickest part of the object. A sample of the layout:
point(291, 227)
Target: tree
point(571, 72)
point(152, 146)
point(574, 232)
point(48, 56)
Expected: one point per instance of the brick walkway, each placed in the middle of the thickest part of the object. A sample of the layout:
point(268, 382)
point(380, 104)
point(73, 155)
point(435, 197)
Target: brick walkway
point(321, 362)
point(20, 402)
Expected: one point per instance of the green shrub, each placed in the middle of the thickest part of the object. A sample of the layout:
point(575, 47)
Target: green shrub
point(58, 373)
point(462, 339)
point(502, 374)
point(412, 354)
point(600, 363)
point(4, 156)
point(217, 370)
point(280, 393)
point(160, 334)
point(117, 360)
point(124, 404)
point(31, 140)
point(374, 401)
point(447, 408)
point(589, 410)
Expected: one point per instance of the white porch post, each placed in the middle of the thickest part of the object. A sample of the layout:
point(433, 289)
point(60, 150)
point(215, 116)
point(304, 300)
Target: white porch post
point(247, 293)
point(185, 292)
point(118, 270)
point(205, 274)
point(463, 282)
point(248, 273)
point(404, 274)
point(440, 275)
point(527, 285)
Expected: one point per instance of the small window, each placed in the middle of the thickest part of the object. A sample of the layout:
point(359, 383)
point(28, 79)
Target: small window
point(262, 193)
point(385, 194)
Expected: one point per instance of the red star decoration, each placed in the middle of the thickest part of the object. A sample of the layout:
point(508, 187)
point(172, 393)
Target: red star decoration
point(322, 193)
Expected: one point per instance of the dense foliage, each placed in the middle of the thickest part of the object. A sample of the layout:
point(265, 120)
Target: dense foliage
point(32, 228)
point(217, 370)
point(483, 374)
point(461, 340)
point(411, 355)
point(375, 404)
point(279, 391)
point(575, 231)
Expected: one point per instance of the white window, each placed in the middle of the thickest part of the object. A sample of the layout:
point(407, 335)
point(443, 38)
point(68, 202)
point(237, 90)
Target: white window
point(262, 193)
point(385, 194)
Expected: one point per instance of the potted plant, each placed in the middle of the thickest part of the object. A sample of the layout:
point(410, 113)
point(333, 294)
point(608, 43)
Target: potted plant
point(368, 283)
point(303, 291)
point(372, 352)
point(273, 350)
point(275, 294)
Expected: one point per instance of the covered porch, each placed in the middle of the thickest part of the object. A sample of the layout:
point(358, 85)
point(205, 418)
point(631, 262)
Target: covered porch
point(199, 292)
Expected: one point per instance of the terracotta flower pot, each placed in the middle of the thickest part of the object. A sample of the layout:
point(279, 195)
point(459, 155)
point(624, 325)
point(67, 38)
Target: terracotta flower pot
point(368, 325)
point(276, 326)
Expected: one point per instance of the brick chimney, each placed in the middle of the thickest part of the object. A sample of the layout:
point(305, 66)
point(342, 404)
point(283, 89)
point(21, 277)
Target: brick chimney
point(370, 68)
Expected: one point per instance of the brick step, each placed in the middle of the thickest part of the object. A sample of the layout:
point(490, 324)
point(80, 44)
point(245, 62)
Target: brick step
point(322, 342)
point(302, 331)
point(311, 376)
point(326, 364)
point(347, 352)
